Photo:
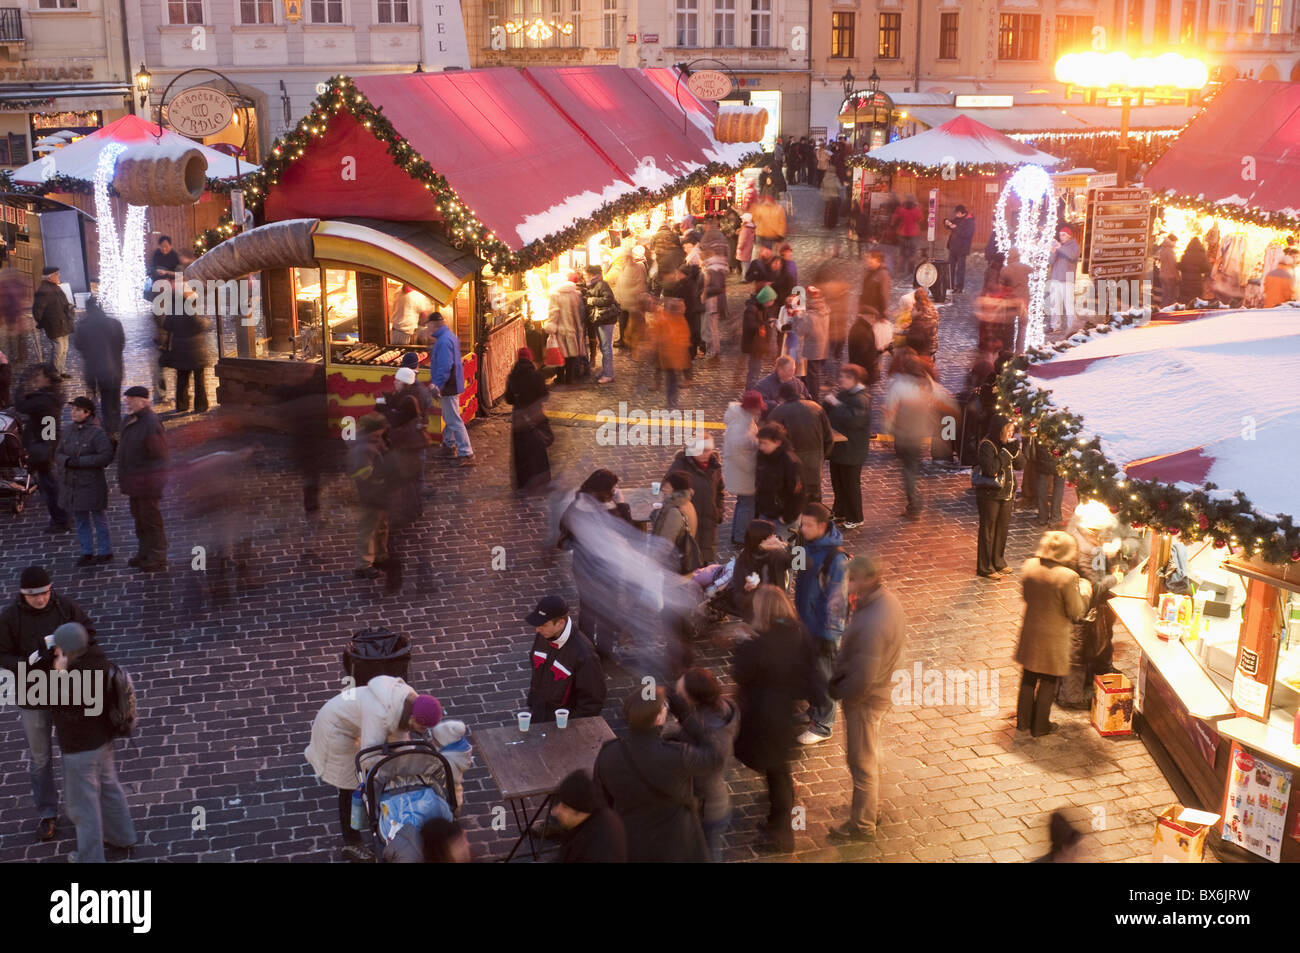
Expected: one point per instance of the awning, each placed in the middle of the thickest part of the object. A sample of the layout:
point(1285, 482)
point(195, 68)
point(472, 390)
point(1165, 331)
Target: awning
point(39, 91)
point(1241, 151)
point(963, 141)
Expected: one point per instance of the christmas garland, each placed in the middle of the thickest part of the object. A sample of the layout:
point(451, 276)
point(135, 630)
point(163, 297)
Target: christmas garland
point(922, 170)
point(463, 228)
point(1225, 517)
point(1231, 213)
point(71, 185)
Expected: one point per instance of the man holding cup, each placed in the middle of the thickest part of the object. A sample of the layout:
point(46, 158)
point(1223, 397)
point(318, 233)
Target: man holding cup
point(566, 669)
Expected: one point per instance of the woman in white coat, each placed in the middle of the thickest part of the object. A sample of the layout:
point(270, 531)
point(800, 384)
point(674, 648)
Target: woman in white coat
point(385, 709)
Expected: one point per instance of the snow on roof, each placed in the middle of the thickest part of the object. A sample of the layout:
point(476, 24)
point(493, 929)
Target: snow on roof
point(965, 141)
point(1209, 400)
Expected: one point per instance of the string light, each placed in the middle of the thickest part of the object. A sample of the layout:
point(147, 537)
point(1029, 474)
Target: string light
point(1034, 234)
point(121, 257)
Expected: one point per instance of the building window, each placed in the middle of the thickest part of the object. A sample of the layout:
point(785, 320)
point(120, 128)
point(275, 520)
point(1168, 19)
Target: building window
point(252, 12)
point(394, 11)
point(1072, 34)
point(891, 30)
point(688, 22)
point(724, 23)
point(184, 12)
point(760, 23)
point(842, 25)
point(1187, 23)
point(609, 23)
point(1018, 36)
point(326, 11)
point(58, 4)
point(947, 36)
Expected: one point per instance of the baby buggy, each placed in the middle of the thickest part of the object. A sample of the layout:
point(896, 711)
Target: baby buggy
point(404, 784)
point(15, 479)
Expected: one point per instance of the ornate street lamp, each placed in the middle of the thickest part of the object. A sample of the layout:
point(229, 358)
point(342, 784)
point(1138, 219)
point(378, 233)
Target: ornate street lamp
point(142, 79)
point(849, 81)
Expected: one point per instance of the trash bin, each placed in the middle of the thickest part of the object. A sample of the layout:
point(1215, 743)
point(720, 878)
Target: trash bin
point(374, 652)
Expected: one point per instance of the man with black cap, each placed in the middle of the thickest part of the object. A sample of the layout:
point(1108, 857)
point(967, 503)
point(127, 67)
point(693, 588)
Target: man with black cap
point(595, 833)
point(566, 669)
point(26, 630)
point(96, 800)
point(142, 473)
point(53, 313)
point(85, 451)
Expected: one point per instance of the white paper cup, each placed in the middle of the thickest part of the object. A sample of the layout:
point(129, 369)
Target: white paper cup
point(525, 719)
point(561, 718)
point(655, 488)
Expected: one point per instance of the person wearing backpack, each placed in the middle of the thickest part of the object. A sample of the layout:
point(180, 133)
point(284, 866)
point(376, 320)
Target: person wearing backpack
point(676, 524)
point(96, 799)
point(25, 628)
point(819, 599)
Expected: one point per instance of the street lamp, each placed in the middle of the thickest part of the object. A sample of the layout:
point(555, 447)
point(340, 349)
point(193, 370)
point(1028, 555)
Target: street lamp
point(1167, 76)
point(874, 81)
point(849, 80)
point(142, 78)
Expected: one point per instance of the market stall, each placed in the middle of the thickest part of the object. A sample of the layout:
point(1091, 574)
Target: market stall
point(502, 178)
point(1232, 179)
point(1215, 609)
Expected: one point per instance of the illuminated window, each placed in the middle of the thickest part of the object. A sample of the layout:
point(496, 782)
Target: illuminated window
point(1073, 33)
point(948, 36)
point(1187, 23)
point(890, 34)
point(688, 22)
point(1018, 36)
point(842, 28)
point(1163, 17)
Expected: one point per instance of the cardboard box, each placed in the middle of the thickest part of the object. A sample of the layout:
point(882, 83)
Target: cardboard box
point(1112, 704)
point(1180, 835)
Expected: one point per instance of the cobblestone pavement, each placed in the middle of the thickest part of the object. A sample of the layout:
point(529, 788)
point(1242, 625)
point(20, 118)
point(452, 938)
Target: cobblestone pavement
point(228, 688)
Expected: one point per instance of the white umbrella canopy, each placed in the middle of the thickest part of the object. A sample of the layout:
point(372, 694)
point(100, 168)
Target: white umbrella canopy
point(962, 141)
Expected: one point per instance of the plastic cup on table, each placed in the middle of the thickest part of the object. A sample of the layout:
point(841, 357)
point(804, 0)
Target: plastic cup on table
point(525, 719)
point(655, 488)
point(561, 718)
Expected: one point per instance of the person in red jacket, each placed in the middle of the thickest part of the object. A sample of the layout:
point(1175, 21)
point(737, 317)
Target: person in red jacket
point(566, 668)
point(907, 223)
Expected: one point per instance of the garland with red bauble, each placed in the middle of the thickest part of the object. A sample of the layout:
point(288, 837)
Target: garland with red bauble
point(463, 229)
point(1225, 519)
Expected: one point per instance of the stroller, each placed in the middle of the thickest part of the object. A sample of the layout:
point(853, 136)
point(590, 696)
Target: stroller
point(405, 784)
point(15, 479)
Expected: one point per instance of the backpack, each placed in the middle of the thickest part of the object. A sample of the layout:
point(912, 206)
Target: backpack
point(120, 707)
point(824, 571)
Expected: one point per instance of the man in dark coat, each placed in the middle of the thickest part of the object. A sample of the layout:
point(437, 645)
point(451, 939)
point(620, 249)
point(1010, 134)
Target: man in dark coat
point(649, 782)
point(566, 668)
point(961, 231)
point(595, 833)
point(849, 412)
point(96, 799)
point(875, 284)
point(770, 385)
point(699, 461)
point(42, 406)
point(810, 436)
point(85, 451)
point(142, 472)
point(368, 470)
point(53, 313)
point(24, 626)
point(100, 340)
point(756, 332)
point(603, 313)
point(189, 353)
point(666, 246)
point(778, 489)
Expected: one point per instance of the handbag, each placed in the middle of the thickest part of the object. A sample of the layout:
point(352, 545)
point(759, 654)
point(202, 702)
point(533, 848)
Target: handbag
point(979, 478)
point(554, 356)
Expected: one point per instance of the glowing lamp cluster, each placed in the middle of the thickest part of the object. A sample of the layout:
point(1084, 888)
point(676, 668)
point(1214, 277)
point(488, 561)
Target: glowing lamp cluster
point(1096, 70)
point(1034, 232)
point(122, 269)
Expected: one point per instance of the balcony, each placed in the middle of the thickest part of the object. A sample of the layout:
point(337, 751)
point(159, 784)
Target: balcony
point(11, 25)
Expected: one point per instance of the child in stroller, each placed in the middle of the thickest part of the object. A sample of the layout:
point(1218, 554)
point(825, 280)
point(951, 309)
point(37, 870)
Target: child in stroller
point(16, 480)
point(727, 589)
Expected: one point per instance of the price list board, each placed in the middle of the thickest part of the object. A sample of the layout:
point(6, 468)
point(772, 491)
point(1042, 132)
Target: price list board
point(1117, 234)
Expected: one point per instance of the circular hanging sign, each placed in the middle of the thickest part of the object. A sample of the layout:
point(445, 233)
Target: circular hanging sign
point(709, 84)
point(926, 274)
point(200, 111)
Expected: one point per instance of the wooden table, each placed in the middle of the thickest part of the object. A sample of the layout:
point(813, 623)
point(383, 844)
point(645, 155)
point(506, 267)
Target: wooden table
point(533, 763)
point(642, 503)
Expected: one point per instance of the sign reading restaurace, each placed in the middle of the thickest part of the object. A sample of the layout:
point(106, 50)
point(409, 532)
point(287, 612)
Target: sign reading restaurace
point(36, 74)
point(199, 111)
point(709, 84)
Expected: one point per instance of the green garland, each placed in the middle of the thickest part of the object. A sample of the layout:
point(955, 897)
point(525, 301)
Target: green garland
point(1232, 213)
point(71, 185)
point(1194, 515)
point(922, 170)
point(463, 228)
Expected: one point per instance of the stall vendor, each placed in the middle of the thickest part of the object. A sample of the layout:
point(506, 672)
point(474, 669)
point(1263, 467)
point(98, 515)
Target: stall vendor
point(409, 309)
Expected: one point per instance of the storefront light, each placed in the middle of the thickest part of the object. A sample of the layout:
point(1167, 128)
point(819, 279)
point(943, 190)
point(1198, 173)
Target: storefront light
point(1117, 69)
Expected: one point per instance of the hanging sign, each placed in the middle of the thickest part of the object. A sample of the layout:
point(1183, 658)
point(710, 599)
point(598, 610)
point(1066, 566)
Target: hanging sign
point(199, 111)
point(709, 84)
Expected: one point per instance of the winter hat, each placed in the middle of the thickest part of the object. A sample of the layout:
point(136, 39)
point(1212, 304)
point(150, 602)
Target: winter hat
point(411, 359)
point(700, 445)
point(765, 295)
point(137, 391)
point(747, 218)
point(1057, 546)
point(371, 423)
point(72, 637)
point(578, 792)
point(752, 400)
point(524, 354)
point(405, 375)
point(50, 270)
point(34, 581)
point(548, 609)
point(692, 237)
point(427, 710)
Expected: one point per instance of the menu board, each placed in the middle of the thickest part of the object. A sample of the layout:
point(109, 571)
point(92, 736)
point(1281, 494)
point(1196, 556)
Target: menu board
point(1254, 816)
point(1118, 233)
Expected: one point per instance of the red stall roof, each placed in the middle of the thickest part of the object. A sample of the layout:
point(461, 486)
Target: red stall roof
point(1248, 120)
point(529, 151)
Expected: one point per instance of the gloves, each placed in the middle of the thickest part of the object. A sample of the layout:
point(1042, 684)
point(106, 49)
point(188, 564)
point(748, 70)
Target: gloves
point(34, 658)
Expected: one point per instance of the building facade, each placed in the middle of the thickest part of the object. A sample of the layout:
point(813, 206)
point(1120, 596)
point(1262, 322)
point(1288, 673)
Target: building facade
point(63, 68)
point(762, 43)
point(278, 53)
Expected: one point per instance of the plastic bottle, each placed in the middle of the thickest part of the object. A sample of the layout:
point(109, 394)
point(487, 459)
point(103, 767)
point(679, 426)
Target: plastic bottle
point(358, 811)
